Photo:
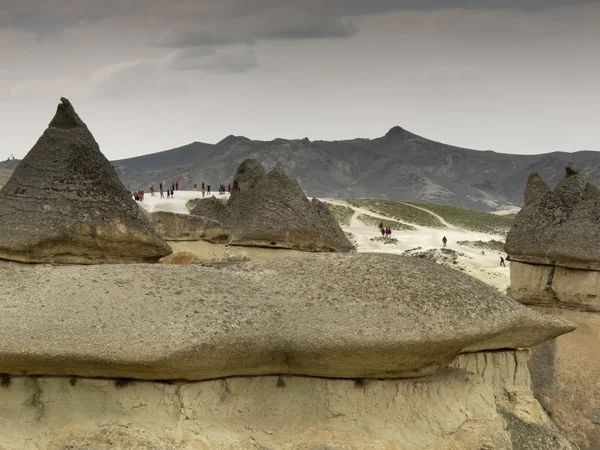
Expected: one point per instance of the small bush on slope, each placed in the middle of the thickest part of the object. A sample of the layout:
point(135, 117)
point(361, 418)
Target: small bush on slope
point(397, 210)
point(469, 219)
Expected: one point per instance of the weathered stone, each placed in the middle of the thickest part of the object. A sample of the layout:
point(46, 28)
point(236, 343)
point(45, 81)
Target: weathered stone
point(454, 410)
point(558, 228)
point(555, 286)
point(65, 204)
point(272, 211)
point(577, 244)
point(565, 377)
point(276, 213)
point(181, 258)
point(248, 174)
point(204, 252)
point(210, 208)
point(185, 227)
point(340, 315)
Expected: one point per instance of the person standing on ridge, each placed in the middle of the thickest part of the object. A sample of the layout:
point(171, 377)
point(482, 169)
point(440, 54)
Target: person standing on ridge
point(444, 241)
point(208, 189)
point(502, 262)
point(229, 188)
point(382, 231)
point(152, 191)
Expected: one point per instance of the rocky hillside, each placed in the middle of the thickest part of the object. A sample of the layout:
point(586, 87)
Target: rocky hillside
point(399, 165)
point(4, 176)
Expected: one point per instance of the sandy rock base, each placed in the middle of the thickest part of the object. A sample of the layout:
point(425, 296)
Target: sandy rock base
point(566, 377)
point(483, 403)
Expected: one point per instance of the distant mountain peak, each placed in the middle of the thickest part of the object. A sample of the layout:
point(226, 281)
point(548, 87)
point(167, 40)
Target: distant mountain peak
point(396, 131)
point(231, 139)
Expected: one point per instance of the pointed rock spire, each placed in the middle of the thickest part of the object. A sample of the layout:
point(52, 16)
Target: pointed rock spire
point(536, 188)
point(248, 174)
point(65, 204)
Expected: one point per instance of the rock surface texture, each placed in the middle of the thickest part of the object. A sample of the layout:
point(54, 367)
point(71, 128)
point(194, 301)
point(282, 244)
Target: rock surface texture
point(270, 210)
point(555, 252)
point(341, 316)
point(185, 227)
point(65, 204)
point(483, 402)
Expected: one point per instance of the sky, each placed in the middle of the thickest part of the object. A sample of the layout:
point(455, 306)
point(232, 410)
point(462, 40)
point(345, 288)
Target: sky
point(514, 76)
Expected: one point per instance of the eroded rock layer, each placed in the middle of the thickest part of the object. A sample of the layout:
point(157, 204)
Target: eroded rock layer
point(330, 315)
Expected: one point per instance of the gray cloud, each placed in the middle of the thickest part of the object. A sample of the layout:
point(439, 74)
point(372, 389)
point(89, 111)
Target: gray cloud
point(233, 59)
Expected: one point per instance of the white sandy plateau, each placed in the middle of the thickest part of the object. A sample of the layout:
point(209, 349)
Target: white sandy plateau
point(481, 264)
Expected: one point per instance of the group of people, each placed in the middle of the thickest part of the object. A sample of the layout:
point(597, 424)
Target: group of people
point(138, 196)
point(222, 189)
point(385, 231)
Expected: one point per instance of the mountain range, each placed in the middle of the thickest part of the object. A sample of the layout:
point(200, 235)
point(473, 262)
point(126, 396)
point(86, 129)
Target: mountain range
point(399, 166)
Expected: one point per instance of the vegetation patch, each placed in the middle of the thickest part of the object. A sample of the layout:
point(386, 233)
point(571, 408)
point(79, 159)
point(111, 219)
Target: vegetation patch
point(385, 240)
point(398, 211)
point(343, 214)
point(469, 219)
point(374, 221)
point(493, 245)
point(443, 256)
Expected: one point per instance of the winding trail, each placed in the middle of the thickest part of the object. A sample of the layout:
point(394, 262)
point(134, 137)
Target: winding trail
point(438, 217)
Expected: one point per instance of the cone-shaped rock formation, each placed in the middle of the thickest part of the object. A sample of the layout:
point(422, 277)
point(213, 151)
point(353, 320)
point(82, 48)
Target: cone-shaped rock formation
point(560, 227)
point(65, 204)
point(272, 211)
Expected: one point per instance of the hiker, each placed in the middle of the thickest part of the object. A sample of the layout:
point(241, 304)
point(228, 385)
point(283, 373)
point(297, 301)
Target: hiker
point(160, 186)
point(388, 232)
point(172, 193)
point(382, 232)
point(444, 241)
point(152, 191)
point(208, 189)
point(502, 262)
point(381, 225)
point(177, 186)
point(136, 196)
point(161, 193)
point(203, 191)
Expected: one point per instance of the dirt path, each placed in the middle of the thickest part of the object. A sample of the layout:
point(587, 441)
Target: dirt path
point(355, 222)
point(438, 217)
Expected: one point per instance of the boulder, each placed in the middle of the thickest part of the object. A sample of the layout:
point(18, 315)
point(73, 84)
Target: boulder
point(272, 211)
point(339, 316)
point(65, 204)
point(185, 227)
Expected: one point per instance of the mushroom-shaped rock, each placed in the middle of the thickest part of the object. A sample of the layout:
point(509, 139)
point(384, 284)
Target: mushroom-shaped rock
point(327, 315)
point(65, 204)
point(185, 227)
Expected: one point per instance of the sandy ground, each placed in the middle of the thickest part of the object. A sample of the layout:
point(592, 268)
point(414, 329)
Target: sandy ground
point(484, 266)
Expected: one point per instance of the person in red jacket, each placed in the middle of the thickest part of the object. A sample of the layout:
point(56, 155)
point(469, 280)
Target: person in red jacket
point(229, 188)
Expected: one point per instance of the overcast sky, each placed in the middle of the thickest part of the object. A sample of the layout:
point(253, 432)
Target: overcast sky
point(516, 76)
